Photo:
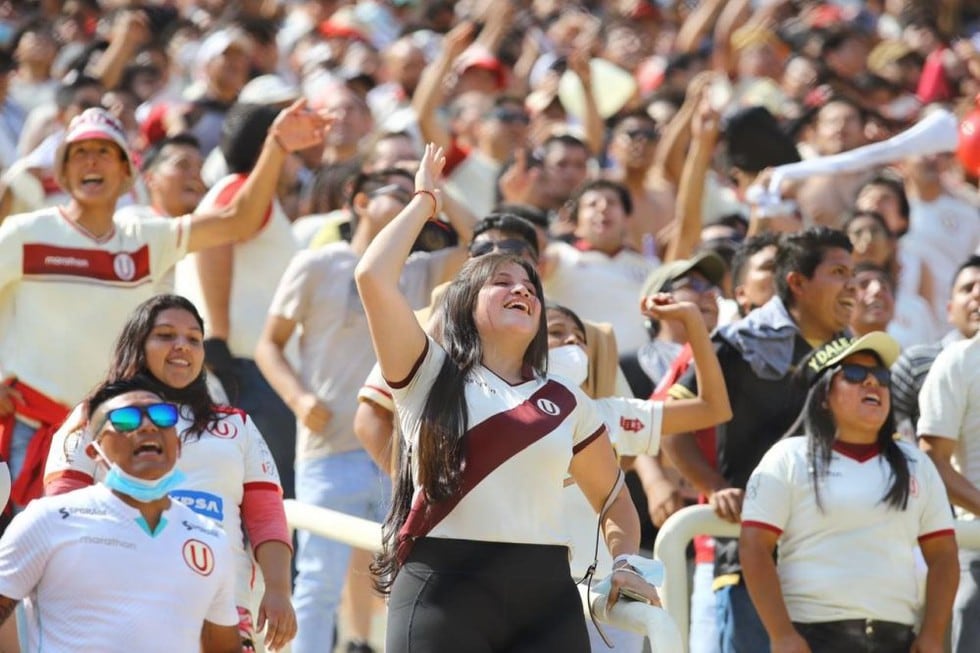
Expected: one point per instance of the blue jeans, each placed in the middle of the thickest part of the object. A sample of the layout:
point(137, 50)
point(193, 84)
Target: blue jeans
point(966, 608)
point(704, 615)
point(739, 628)
point(351, 483)
point(18, 452)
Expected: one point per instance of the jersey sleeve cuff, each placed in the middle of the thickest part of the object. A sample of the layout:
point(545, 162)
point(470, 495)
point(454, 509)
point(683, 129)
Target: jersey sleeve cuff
point(763, 525)
point(940, 533)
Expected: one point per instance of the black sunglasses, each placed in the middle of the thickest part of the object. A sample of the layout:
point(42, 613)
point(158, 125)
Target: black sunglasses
point(854, 373)
point(507, 246)
point(128, 418)
point(510, 117)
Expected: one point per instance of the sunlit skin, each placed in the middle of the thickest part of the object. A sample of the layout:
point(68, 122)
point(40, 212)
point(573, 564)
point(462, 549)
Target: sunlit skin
point(872, 242)
point(634, 143)
point(757, 286)
point(706, 301)
point(96, 172)
point(859, 409)
point(875, 305)
point(175, 183)
point(562, 330)
point(825, 301)
point(602, 220)
point(147, 452)
point(838, 129)
point(564, 168)
point(963, 309)
point(882, 199)
point(174, 349)
point(508, 306)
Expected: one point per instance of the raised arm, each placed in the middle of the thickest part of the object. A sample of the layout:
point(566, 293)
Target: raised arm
point(399, 340)
point(295, 128)
point(711, 406)
point(428, 93)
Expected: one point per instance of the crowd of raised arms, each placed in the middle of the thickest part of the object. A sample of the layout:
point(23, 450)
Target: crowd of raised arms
point(516, 279)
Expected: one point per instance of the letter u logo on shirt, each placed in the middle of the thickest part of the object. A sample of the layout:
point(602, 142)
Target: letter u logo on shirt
point(199, 557)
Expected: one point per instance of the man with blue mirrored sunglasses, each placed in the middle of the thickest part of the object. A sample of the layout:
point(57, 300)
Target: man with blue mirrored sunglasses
point(123, 545)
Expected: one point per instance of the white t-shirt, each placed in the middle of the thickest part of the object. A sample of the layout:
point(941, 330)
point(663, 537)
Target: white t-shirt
point(949, 405)
point(854, 559)
point(259, 262)
point(93, 578)
point(602, 288)
point(70, 293)
point(220, 465)
point(520, 442)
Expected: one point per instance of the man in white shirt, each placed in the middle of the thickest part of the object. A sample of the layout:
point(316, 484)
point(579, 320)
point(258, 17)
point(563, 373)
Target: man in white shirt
point(93, 266)
point(153, 573)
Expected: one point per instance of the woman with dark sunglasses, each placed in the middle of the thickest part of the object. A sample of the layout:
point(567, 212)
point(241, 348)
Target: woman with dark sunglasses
point(230, 475)
point(847, 504)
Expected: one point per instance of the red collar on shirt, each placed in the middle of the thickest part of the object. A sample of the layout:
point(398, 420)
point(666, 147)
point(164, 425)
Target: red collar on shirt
point(859, 452)
point(583, 245)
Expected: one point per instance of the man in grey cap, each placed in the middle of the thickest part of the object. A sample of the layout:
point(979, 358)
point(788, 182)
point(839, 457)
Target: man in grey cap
point(696, 280)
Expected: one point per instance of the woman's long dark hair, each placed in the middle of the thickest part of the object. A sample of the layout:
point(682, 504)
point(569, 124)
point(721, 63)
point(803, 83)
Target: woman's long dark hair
point(129, 362)
point(444, 420)
point(818, 426)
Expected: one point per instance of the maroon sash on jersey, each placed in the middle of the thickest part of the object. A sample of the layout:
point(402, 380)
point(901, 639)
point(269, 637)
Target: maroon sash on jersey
point(487, 446)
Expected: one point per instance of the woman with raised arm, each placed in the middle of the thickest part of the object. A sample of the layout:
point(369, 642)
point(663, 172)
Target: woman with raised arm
point(475, 555)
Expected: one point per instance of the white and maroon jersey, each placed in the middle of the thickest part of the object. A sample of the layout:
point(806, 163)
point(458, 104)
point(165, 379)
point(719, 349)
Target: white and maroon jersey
point(633, 424)
point(220, 465)
point(259, 262)
point(520, 442)
point(856, 535)
point(67, 294)
point(93, 577)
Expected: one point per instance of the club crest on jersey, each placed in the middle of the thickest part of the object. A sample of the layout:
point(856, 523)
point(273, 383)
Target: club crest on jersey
point(124, 266)
point(199, 557)
point(224, 430)
point(547, 406)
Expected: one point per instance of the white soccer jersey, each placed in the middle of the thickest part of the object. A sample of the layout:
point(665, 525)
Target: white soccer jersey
point(520, 442)
point(70, 294)
point(856, 536)
point(93, 578)
point(220, 465)
point(949, 402)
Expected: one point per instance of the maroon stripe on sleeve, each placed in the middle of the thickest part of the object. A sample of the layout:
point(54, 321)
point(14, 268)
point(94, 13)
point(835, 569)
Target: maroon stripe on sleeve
point(589, 440)
point(763, 525)
point(398, 385)
point(488, 445)
point(941, 533)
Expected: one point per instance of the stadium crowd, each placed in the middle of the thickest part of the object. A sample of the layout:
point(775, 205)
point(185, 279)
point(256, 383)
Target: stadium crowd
point(433, 263)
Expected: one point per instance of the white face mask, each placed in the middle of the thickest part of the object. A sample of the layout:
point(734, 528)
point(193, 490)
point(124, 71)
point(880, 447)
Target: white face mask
point(570, 362)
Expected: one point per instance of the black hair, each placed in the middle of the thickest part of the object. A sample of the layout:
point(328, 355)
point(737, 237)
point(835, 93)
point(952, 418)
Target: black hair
point(972, 262)
point(571, 315)
point(243, 133)
point(129, 361)
point(510, 224)
point(635, 114)
point(331, 186)
point(816, 423)
point(873, 215)
point(746, 250)
point(802, 252)
point(600, 184)
point(893, 184)
point(754, 140)
point(439, 456)
point(110, 389)
point(368, 182)
point(152, 155)
point(532, 214)
point(67, 92)
point(567, 140)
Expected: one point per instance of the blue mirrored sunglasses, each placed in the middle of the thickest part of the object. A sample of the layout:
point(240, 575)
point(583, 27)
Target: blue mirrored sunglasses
point(129, 418)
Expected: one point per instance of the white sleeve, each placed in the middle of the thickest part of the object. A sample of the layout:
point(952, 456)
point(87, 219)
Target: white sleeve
point(67, 453)
point(222, 610)
point(411, 393)
point(935, 515)
point(943, 397)
point(634, 424)
point(260, 467)
point(167, 238)
point(24, 551)
point(292, 297)
point(589, 424)
point(11, 252)
point(376, 390)
point(769, 492)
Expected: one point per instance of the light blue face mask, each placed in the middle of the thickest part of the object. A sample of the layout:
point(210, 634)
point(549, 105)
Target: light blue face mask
point(138, 488)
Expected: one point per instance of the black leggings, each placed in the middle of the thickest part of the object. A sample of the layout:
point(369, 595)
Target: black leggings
point(485, 597)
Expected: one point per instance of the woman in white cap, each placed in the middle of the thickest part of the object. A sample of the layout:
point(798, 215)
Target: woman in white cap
point(847, 504)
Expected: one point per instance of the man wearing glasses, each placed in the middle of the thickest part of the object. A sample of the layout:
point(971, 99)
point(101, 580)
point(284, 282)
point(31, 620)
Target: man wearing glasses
point(154, 574)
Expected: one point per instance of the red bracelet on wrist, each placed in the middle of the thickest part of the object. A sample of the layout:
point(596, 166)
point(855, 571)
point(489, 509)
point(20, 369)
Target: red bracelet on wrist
point(435, 202)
